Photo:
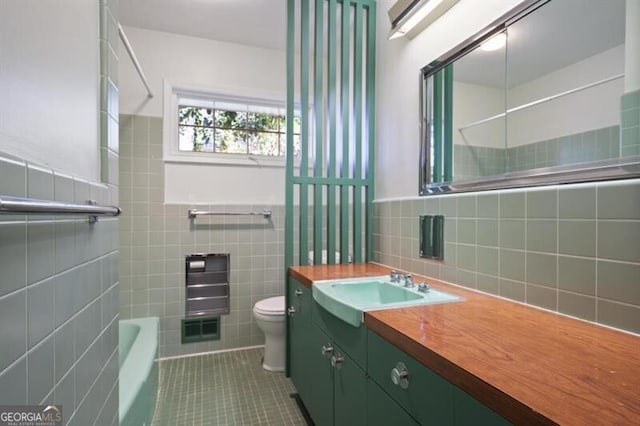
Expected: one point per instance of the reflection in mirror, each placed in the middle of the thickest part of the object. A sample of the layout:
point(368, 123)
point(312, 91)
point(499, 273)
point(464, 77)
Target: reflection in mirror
point(537, 97)
point(479, 141)
point(564, 84)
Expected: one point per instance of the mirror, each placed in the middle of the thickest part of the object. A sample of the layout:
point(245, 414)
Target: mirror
point(538, 97)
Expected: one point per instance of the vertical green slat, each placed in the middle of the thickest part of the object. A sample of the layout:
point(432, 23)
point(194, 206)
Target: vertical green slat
point(344, 104)
point(437, 127)
point(357, 95)
point(288, 228)
point(448, 123)
point(331, 196)
point(319, 123)
point(370, 115)
point(304, 131)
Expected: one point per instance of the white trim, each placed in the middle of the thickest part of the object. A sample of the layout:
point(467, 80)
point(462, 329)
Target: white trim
point(170, 151)
point(210, 352)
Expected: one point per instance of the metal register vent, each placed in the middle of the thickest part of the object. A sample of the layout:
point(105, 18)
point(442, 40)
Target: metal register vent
point(207, 284)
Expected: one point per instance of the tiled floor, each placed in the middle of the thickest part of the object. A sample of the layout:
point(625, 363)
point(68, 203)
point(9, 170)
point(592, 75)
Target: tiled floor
point(228, 388)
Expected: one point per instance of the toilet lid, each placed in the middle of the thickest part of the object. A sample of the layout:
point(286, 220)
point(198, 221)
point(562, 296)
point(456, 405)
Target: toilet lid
point(271, 306)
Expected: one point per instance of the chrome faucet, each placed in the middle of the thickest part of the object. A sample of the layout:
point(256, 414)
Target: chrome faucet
point(408, 281)
point(395, 276)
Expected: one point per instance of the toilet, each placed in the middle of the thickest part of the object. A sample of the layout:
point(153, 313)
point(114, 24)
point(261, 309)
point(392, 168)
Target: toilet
point(269, 314)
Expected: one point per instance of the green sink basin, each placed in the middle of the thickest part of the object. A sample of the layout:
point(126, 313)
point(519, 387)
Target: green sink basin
point(348, 299)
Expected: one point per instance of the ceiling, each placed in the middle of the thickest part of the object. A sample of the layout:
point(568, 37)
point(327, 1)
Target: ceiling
point(558, 34)
point(260, 23)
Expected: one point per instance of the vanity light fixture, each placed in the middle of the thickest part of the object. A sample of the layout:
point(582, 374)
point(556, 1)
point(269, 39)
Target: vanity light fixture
point(410, 17)
point(494, 43)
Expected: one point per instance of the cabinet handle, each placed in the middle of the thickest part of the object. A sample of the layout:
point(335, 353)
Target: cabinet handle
point(298, 292)
point(337, 360)
point(327, 350)
point(400, 375)
point(291, 311)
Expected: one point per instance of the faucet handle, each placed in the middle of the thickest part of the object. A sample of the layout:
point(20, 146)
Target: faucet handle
point(408, 280)
point(424, 287)
point(395, 276)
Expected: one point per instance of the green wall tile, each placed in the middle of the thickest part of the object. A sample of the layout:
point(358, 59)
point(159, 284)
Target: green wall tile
point(466, 205)
point(542, 235)
point(541, 269)
point(619, 281)
point(543, 297)
point(542, 203)
point(512, 290)
point(512, 264)
point(466, 231)
point(466, 258)
point(619, 200)
point(619, 240)
point(577, 202)
point(487, 283)
point(487, 232)
point(488, 205)
point(488, 260)
point(626, 317)
point(577, 305)
point(577, 275)
point(512, 205)
point(577, 238)
point(512, 233)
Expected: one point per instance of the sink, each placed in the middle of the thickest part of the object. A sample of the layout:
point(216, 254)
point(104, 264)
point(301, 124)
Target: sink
point(348, 299)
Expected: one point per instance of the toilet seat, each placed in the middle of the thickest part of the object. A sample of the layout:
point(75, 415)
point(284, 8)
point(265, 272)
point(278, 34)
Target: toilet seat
point(271, 306)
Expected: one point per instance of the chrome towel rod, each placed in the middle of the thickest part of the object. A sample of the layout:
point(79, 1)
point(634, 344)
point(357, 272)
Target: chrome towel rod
point(34, 206)
point(193, 213)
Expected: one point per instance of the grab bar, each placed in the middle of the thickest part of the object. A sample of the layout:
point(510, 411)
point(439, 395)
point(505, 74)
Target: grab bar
point(35, 206)
point(193, 213)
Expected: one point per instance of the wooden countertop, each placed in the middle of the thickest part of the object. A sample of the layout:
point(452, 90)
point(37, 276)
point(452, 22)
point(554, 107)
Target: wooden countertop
point(529, 365)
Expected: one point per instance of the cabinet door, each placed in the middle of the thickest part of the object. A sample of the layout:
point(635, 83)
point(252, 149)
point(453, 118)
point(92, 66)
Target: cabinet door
point(471, 412)
point(310, 371)
point(350, 391)
point(384, 411)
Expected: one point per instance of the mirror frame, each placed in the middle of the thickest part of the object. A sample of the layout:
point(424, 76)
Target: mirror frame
point(619, 168)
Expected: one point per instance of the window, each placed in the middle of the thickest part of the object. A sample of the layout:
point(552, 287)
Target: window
point(233, 128)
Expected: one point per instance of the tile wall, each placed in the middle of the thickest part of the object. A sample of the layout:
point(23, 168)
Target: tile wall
point(58, 299)
point(573, 249)
point(155, 238)
point(630, 123)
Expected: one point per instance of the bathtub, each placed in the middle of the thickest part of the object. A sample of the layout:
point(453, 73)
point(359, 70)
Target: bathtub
point(138, 377)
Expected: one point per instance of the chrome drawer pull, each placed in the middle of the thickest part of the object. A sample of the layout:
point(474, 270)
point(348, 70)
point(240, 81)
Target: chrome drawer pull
point(400, 375)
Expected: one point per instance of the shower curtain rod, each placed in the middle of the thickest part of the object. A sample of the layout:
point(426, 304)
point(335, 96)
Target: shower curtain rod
point(134, 59)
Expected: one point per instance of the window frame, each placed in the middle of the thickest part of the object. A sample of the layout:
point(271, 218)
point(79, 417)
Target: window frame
point(171, 150)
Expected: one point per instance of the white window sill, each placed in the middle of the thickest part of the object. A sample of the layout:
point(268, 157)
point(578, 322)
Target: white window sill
point(226, 159)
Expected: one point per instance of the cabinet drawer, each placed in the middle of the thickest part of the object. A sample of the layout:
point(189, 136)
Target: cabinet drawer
point(353, 340)
point(427, 397)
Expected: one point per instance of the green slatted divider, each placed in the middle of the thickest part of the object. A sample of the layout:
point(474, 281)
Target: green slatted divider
point(331, 87)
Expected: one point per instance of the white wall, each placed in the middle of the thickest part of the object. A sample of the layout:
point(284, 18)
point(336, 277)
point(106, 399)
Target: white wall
point(397, 71)
point(49, 86)
point(208, 65)
point(471, 103)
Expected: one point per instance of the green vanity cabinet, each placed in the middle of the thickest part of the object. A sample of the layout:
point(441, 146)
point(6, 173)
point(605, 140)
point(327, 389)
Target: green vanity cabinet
point(331, 385)
point(384, 411)
point(425, 395)
point(310, 372)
